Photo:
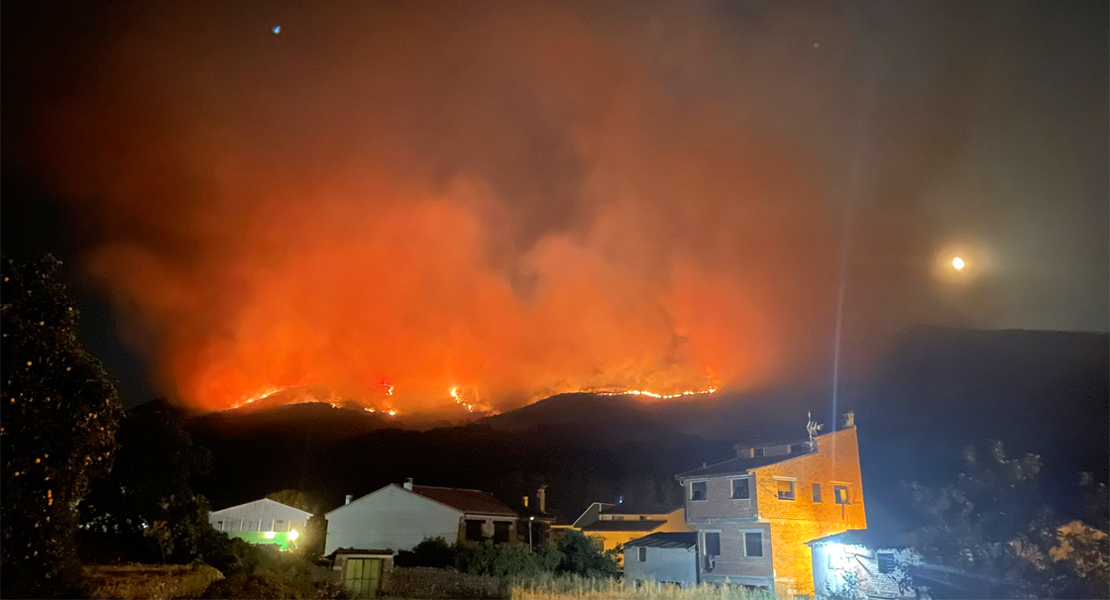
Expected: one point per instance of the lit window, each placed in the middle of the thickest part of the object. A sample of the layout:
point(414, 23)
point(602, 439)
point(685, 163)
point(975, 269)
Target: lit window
point(698, 490)
point(753, 543)
point(741, 489)
point(785, 489)
point(712, 544)
point(840, 493)
point(887, 564)
point(817, 492)
point(641, 554)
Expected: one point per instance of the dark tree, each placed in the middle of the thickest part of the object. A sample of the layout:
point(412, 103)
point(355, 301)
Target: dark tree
point(60, 414)
point(146, 510)
point(989, 534)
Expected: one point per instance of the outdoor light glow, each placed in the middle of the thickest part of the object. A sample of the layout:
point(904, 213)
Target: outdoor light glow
point(958, 263)
point(294, 534)
point(269, 535)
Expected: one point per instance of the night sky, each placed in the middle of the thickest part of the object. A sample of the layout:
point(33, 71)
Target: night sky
point(521, 199)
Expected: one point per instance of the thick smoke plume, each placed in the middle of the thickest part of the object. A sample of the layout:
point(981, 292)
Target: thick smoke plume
point(392, 201)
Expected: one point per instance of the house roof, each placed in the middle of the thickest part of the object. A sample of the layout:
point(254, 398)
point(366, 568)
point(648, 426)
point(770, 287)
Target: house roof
point(860, 537)
point(629, 525)
point(738, 465)
point(624, 509)
point(469, 501)
point(666, 539)
point(261, 501)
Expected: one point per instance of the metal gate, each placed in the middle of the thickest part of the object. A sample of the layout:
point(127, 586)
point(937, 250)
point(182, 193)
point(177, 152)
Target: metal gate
point(362, 577)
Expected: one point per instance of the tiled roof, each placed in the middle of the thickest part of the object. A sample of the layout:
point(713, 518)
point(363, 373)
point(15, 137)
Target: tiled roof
point(666, 539)
point(622, 525)
point(738, 465)
point(474, 502)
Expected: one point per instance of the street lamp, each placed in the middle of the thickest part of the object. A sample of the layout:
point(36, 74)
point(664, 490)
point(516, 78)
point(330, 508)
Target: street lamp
point(530, 519)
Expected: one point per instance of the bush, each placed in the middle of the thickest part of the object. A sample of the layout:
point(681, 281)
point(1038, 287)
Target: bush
point(504, 560)
point(582, 555)
point(432, 552)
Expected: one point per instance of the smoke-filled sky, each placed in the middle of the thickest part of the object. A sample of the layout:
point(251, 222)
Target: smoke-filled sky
point(518, 199)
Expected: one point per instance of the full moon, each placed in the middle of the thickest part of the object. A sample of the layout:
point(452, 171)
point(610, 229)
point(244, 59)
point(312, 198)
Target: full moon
point(958, 263)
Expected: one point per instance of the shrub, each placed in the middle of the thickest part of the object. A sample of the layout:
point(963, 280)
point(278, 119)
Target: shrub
point(582, 555)
point(432, 552)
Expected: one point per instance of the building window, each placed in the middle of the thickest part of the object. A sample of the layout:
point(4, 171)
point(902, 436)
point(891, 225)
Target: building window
point(757, 451)
point(617, 517)
point(698, 490)
point(712, 543)
point(279, 525)
point(817, 492)
point(220, 525)
point(753, 543)
point(741, 489)
point(641, 554)
point(840, 493)
point(643, 517)
point(785, 488)
point(887, 564)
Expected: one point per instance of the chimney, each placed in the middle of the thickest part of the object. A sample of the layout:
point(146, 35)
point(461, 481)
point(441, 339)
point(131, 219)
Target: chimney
point(347, 500)
point(541, 499)
point(408, 484)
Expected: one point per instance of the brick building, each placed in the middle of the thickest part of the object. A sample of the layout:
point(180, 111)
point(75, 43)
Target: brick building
point(755, 513)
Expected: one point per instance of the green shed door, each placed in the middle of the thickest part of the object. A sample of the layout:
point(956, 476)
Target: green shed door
point(363, 577)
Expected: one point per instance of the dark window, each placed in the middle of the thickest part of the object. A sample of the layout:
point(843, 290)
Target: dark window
point(220, 525)
point(757, 451)
point(785, 489)
point(641, 554)
point(753, 543)
point(817, 492)
point(712, 544)
point(840, 493)
point(740, 489)
point(643, 517)
point(697, 490)
point(474, 529)
point(501, 531)
point(886, 563)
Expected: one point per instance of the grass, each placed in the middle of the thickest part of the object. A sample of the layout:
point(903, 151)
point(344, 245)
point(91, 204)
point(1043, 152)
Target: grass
point(567, 587)
point(157, 582)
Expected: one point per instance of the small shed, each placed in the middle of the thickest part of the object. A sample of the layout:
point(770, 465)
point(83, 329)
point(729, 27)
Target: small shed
point(362, 571)
point(663, 558)
point(861, 564)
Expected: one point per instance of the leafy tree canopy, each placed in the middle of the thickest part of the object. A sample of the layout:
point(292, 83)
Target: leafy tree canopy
point(60, 415)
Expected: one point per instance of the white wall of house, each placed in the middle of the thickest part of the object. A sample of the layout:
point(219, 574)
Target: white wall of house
point(677, 565)
point(834, 564)
point(391, 518)
point(260, 515)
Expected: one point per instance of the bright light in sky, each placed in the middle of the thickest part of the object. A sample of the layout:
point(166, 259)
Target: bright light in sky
point(276, 29)
point(958, 263)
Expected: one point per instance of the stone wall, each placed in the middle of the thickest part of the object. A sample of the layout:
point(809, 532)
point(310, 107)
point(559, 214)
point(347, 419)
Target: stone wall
point(426, 582)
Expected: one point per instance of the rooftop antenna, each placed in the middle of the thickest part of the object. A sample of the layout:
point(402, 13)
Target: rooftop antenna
point(812, 427)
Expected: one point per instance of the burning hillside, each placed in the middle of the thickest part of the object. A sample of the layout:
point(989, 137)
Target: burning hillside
point(363, 212)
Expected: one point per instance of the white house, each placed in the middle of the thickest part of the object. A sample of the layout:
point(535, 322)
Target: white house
point(400, 517)
point(856, 562)
point(262, 522)
point(663, 558)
